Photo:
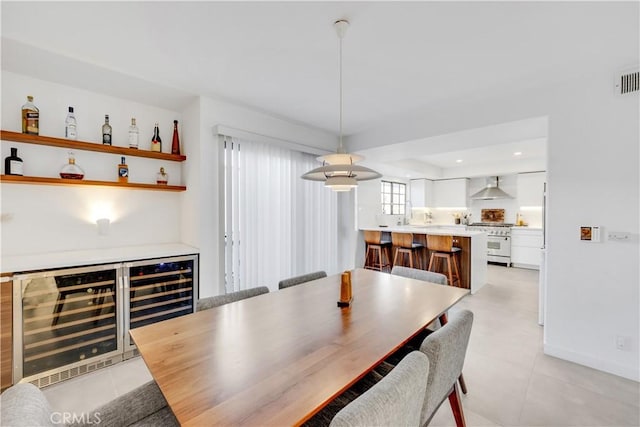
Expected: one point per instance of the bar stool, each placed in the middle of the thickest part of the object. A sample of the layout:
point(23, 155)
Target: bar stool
point(377, 256)
point(407, 247)
point(441, 247)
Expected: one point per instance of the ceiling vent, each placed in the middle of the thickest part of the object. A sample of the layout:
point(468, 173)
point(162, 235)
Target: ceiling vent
point(628, 81)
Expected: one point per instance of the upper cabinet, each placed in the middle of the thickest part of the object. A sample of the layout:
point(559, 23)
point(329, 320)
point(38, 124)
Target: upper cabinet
point(421, 193)
point(451, 193)
point(531, 189)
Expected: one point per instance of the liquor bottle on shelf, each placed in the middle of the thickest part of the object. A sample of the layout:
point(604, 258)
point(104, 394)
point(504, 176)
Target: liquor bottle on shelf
point(106, 131)
point(71, 170)
point(133, 134)
point(30, 117)
point(123, 171)
point(70, 125)
point(13, 163)
point(162, 178)
point(175, 144)
point(156, 142)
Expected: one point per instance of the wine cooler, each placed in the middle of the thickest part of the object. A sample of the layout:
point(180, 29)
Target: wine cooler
point(72, 321)
point(157, 291)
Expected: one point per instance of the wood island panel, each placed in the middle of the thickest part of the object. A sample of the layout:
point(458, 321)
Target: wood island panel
point(464, 257)
point(6, 332)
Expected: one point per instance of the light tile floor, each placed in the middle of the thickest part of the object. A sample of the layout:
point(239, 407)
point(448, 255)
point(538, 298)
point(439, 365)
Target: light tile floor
point(511, 382)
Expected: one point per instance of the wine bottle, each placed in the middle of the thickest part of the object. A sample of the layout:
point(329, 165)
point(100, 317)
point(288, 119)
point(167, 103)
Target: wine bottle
point(30, 117)
point(175, 144)
point(123, 171)
point(133, 134)
point(106, 131)
point(13, 163)
point(70, 125)
point(156, 142)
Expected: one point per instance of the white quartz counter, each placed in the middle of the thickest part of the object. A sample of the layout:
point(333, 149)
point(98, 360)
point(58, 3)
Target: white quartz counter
point(22, 263)
point(434, 230)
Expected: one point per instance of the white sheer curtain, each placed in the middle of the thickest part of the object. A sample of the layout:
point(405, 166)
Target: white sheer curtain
point(277, 224)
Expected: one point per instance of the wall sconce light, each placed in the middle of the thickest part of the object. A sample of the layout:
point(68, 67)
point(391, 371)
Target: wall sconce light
point(103, 226)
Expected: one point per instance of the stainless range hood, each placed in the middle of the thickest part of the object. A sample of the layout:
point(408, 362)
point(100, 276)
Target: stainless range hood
point(492, 191)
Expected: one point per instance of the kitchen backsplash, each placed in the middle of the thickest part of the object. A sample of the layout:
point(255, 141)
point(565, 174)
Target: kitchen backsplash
point(533, 218)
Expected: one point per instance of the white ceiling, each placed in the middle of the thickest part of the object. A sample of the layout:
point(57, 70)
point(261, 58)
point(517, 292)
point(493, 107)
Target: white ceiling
point(282, 57)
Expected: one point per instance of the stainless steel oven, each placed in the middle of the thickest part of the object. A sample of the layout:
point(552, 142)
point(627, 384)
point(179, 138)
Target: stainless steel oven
point(499, 249)
point(498, 241)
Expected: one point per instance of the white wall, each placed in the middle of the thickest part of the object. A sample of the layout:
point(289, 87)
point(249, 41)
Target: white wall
point(593, 178)
point(39, 219)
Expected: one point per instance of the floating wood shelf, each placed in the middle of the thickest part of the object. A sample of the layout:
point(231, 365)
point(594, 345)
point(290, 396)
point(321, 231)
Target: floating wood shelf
point(59, 181)
point(6, 135)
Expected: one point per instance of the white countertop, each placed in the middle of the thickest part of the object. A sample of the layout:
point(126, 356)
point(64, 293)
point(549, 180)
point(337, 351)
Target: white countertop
point(22, 263)
point(421, 229)
point(525, 227)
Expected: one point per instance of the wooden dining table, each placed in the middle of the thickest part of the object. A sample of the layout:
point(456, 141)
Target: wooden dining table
point(278, 358)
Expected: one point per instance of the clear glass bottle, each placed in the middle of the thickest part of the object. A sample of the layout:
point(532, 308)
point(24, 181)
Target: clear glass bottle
point(134, 134)
point(13, 163)
point(71, 170)
point(70, 125)
point(162, 178)
point(175, 144)
point(30, 117)
point(106, 131)
point(156, 142)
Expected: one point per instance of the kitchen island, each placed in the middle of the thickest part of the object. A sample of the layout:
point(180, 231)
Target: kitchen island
point(472, 244)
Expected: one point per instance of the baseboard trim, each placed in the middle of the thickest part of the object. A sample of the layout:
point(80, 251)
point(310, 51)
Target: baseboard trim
point(629, 372)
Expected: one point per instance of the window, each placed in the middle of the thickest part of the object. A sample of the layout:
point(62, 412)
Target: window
point(393, 197)
point(276, 224)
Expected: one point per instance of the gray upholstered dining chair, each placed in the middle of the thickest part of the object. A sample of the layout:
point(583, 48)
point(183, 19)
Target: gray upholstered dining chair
point(218, 300)
point(428, 276)
point(293, 281)
point(415, 273)
point(24, 405)
point(446, 349)
point(396, 400)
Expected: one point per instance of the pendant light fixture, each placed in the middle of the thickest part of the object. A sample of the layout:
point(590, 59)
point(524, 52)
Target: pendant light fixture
point(339, 171)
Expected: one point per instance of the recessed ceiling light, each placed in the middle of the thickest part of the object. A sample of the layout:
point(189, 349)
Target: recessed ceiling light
point(518, 153)
point(459, 161)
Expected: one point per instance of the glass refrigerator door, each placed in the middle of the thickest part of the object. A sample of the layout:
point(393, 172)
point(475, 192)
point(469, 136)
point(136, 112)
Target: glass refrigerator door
point(69, 317)
point(159, 290)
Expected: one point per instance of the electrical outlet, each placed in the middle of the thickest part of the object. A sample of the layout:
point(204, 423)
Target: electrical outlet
point(622, 342)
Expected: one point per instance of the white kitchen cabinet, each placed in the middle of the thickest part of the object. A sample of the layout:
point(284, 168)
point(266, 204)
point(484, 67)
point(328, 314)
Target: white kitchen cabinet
point(421, 193)
point(531, 189)
point(526, 244)
point(451, 193)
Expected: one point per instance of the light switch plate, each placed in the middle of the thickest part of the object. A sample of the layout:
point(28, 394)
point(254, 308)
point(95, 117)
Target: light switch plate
point(619, 236)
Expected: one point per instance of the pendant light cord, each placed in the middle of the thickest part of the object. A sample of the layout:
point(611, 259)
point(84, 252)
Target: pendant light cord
point(341, 147)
